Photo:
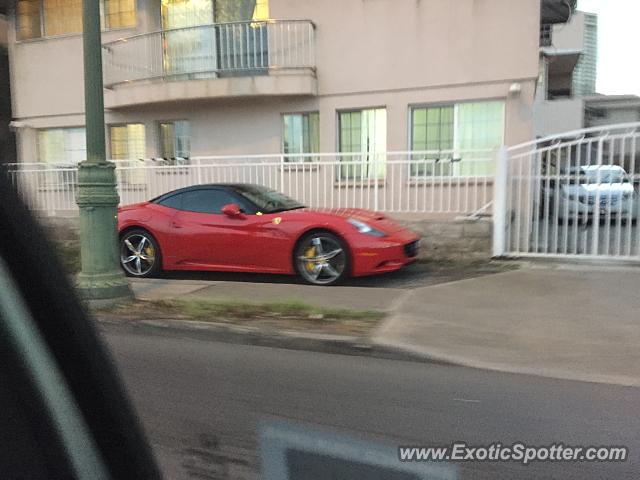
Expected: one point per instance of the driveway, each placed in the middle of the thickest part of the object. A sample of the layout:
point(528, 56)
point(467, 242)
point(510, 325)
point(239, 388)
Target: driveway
point(578, 322)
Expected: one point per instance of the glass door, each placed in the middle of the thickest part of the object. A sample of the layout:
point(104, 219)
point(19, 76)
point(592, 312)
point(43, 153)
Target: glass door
point(189, 38)
point(242, 36)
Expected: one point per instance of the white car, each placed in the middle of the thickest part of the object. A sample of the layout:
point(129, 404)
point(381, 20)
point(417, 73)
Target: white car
point(588, 192)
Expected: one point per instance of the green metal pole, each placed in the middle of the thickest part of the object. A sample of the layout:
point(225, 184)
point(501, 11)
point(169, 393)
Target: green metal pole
point(101, 277)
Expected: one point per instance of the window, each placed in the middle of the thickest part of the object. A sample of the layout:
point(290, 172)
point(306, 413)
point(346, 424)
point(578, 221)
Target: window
point(267, 200)
point(28, 23)
point(301, 134)
point(174, 201)
point(432, 130)
point(37, 18)
point(456, 139)
point(118, 13)
point(363, 131)
point(127, 141)
point(480, 126)
point(62, 145)
point(62, 17)
point(175, 141)
point(206, 201)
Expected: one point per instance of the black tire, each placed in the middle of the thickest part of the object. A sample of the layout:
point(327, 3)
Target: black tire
point(330, 266)
point(140, 266)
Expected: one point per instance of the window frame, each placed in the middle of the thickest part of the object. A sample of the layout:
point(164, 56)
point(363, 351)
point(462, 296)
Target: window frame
point(160, 145)
point(109, 140)
point(237, 199)
point(103, 18)
point(40, 131)
point(427, 106)
point(45, 36)
point(361, 178)
point(455, 160)
point(40, 22)
point(311, 157)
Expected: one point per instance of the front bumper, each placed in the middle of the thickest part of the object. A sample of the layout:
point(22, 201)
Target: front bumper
point(570, 209)
point(380, 255)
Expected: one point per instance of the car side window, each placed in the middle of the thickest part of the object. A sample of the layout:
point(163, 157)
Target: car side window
point(174, 201)
point(206, 201)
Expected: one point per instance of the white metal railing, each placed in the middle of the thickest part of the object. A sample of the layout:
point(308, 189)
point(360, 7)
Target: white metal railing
point(405, 182)
point(237, 48)
point(574, 194)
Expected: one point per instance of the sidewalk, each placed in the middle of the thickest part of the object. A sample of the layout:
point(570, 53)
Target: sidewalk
point(579, 323)
point(575, 322)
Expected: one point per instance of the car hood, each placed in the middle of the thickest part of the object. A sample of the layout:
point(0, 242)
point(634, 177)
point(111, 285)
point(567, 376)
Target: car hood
point(375, 219)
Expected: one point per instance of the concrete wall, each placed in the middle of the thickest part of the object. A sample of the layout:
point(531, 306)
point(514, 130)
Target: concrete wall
point(557, 116)
point(370, 53)
point(570, 36)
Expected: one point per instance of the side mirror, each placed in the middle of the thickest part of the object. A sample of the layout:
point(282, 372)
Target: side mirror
point(232, 210)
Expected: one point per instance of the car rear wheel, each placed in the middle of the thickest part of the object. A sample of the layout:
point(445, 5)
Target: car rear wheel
point(321, 258)
point(139, 254)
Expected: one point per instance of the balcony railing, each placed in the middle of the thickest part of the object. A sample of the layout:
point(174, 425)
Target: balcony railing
point(206, 51)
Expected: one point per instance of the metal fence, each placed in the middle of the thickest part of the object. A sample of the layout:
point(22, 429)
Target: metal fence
point(575, 194)
point(407, 182)
point(238, 48)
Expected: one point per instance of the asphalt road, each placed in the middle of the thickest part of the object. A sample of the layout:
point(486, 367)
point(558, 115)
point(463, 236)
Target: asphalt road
point(201, 402)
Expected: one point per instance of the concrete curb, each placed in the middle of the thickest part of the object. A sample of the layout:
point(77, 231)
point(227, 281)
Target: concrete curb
point(459, 360)
point(338, 345)
point(289, 340)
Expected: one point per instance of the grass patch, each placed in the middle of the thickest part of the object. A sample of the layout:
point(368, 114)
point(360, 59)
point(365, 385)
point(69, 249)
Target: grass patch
point(203, 309)
point(281, 315)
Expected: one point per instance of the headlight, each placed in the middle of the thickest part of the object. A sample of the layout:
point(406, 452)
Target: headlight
point(366, 229)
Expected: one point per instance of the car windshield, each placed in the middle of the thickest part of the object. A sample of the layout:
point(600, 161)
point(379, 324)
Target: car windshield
point(267, 200)
point(605, 175)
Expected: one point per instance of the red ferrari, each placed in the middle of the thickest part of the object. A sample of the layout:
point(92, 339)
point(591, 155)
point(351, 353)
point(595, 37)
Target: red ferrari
point(250, 228)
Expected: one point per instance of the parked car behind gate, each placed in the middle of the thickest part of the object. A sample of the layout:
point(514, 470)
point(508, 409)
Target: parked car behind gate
point(587, 192)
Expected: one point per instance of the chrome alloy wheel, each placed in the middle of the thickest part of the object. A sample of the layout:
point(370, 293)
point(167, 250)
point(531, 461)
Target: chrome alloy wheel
point(137, 254)
point(321, 259)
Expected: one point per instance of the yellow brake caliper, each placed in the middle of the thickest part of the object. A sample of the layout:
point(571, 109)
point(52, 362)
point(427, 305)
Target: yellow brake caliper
point(149, 251)
point(310, 254)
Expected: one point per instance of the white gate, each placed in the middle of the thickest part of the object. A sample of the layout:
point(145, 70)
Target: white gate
point(570, 195)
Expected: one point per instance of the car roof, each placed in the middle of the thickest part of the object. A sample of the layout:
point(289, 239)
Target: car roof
point(204, 186)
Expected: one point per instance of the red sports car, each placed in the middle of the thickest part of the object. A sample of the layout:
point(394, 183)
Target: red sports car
point(250, 228)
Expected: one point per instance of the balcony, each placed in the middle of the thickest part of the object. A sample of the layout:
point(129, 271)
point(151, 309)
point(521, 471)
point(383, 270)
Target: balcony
point(239, 59)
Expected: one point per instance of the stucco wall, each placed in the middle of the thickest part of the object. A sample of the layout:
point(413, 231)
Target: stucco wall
point(365, 45)
point(370, 53)
point(557, 116)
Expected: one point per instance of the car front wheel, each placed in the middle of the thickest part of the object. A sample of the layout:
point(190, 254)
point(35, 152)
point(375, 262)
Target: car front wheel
point(321, 258)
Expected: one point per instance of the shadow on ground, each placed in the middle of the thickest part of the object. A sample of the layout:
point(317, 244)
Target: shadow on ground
point(413, 276)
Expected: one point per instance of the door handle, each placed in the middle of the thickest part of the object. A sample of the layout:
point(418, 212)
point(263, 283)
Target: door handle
point(176, 225)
